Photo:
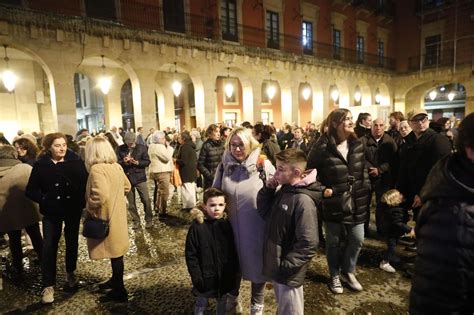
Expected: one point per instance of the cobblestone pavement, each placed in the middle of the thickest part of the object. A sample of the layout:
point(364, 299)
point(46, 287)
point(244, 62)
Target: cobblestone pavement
point(158, 283)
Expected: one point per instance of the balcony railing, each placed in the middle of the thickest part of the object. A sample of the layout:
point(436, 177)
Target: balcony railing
point(143, 16)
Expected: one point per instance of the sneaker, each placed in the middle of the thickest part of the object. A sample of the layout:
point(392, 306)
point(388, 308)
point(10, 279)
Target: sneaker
point(385, 266)
point(47, 295)
point(351, 281)
point(256, 309)
point(335, 285)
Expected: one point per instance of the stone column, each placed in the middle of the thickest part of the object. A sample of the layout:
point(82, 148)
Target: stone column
point(187, 114)
point(112, 107)
point(257, 100)
point(145, 111)
point(64, 99)
point(166, 107)
point(206, 102)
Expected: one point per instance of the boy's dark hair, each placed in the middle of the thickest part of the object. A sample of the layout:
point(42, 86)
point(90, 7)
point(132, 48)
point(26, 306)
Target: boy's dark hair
point(265, 131)
point(211, 193)
point(465, 138)
point(293, 157)
point(397, 115)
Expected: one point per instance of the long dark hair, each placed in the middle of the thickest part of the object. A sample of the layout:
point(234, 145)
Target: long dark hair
point(335, 118)
point(265, 131)
point(30, 147)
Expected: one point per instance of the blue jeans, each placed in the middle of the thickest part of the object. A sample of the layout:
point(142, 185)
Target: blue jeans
point(343, 256)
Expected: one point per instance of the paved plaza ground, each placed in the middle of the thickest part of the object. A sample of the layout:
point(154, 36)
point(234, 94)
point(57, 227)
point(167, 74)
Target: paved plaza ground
point(158, 283)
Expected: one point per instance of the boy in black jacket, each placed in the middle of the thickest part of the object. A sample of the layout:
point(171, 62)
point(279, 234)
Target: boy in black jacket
point(210, 252)
point(291, 239)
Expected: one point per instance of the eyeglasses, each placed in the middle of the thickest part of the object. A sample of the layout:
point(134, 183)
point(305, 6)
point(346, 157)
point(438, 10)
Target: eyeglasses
point(234, 146)
point(421, 119)
point(348, 119)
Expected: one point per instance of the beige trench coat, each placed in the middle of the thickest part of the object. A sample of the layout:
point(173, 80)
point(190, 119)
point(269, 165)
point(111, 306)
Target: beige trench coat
point(105, 199)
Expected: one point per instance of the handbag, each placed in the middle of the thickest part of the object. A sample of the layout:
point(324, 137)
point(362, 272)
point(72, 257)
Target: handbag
point(340, 205)
point(175, 177)
point(95, 228)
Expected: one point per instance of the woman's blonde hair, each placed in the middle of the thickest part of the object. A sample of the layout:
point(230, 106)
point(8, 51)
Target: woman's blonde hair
point(99, 150)
point(245, 135)
point(391, 198)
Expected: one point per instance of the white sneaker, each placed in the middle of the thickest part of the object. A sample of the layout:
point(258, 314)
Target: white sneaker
point(385, 266)
point(335, 285)
point(47, 295)
point(256, 309)
point(351, 281)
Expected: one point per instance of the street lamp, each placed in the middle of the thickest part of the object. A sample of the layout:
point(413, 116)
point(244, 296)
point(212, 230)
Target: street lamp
point(451, 96)
point(8, 77)
point(357, 94)
point(433, 95)
point(229, 87)
point(378, 96)
point(104, 81)
point(306, 91)
point(271, 89)
point(334, 92)
point(176, 86)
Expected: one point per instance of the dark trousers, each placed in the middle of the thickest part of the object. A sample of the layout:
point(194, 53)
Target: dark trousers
point(117, 273)
point(52, 230)
point(142, 189)
point(391, 246)
point(15, 243)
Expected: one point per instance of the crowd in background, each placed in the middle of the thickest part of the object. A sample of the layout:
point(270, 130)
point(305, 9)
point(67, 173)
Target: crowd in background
point(409, 168)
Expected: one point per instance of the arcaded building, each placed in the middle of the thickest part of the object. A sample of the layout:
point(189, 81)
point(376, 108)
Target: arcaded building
point(93, 64)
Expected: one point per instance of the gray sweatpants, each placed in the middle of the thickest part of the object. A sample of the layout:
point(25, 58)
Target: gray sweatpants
point(290, 299)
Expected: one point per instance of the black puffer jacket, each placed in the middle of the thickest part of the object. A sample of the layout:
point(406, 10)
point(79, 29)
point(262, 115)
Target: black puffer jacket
point(209, 158)
point(136, 173)
point(419, 156)
point(394, 221)
point(270, 148)
point(334, 172)
point(211, 256)
point(291, 239)
point(59, 188)
point(382, 155)
point(187, 161)
point(443, 282)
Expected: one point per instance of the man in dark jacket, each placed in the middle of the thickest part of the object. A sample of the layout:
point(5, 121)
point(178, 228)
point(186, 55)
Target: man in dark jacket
point(380, 153)
point(423, 148)
point(291, 222)
point(443, 281)
point(210, 155)
point(134, 159)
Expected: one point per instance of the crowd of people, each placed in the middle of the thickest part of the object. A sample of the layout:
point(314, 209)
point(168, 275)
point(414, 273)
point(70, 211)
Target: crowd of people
point(270, 198)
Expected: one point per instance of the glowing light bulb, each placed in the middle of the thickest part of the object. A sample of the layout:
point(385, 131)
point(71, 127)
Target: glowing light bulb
point(9, 80)
point(451, 96)
point(306, 93)
point(176, 87)
point(335, 94)
point(433, 95)
point(357, 96)
point(271, 90)
point(229, 89)
point(104, 84)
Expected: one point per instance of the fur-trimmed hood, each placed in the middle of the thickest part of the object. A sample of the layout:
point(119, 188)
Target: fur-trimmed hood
point(198, 214)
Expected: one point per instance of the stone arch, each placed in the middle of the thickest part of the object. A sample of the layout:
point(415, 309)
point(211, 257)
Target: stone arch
point(19, 53)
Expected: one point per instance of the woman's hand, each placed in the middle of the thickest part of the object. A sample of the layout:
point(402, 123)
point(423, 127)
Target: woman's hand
point(412, 233)
point(327, 193)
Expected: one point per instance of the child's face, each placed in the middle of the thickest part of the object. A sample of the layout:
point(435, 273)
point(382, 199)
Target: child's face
point(285, 173)
point(215, 207)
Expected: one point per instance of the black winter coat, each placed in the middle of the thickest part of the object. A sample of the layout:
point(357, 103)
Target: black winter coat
point(136, 173)
point(394, 221)
point(362, 131)
point(209, 158)
point(381, 155)
point(302, 146)
point(187, 161)
point(443, 282)
point(334, 172)
point(291, 240)
point(59, 188)
point(419, 156)
point(211, 257)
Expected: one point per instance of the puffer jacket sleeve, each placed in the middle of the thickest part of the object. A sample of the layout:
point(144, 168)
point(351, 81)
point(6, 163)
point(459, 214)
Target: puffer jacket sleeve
point(306, 238)
point(265, 199)
point(33, 188)
point(192, 256)
point(217, 183)
point(203, 156)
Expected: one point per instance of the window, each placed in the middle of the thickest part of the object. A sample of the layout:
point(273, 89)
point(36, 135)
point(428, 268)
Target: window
point(101, 9)
point(432, 50)
point(273, 30)
point(173, 15)
point(265, 118)
point(229, 20)
point(336, 43)
point(12, 2)
point(230, 118)
point(307, 37)
point(381, 52)
point(360, 49)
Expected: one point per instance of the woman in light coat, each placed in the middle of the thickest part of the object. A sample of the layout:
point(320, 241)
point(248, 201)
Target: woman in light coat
point(105, 199)
point(239, 176)
point(161, 166)
point(16, 211)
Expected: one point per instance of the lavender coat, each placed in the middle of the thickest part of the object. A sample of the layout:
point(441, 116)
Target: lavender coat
point(241, 183)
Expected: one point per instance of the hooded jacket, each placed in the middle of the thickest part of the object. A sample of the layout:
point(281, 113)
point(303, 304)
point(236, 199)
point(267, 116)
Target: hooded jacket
point(209, 158)
point(290, 238)
point(443, 282)
point(211, 256)
point(136, 173)
point(59, 188)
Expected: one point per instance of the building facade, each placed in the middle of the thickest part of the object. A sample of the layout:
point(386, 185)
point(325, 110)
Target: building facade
point(311, 55)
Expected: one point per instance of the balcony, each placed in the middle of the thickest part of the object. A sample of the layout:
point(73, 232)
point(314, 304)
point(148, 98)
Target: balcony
point(136, 17)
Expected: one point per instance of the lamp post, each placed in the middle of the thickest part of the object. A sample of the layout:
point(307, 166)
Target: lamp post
point(229, 87)
point(306, 91)
point(104, 81)
point(334, 92)
point(8, 77)
point(378, 96)
point(357, 95)
point(176, 86)
point(271, 89)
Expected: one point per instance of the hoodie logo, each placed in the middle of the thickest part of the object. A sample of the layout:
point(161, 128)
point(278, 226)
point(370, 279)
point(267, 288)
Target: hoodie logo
point(284, 207)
